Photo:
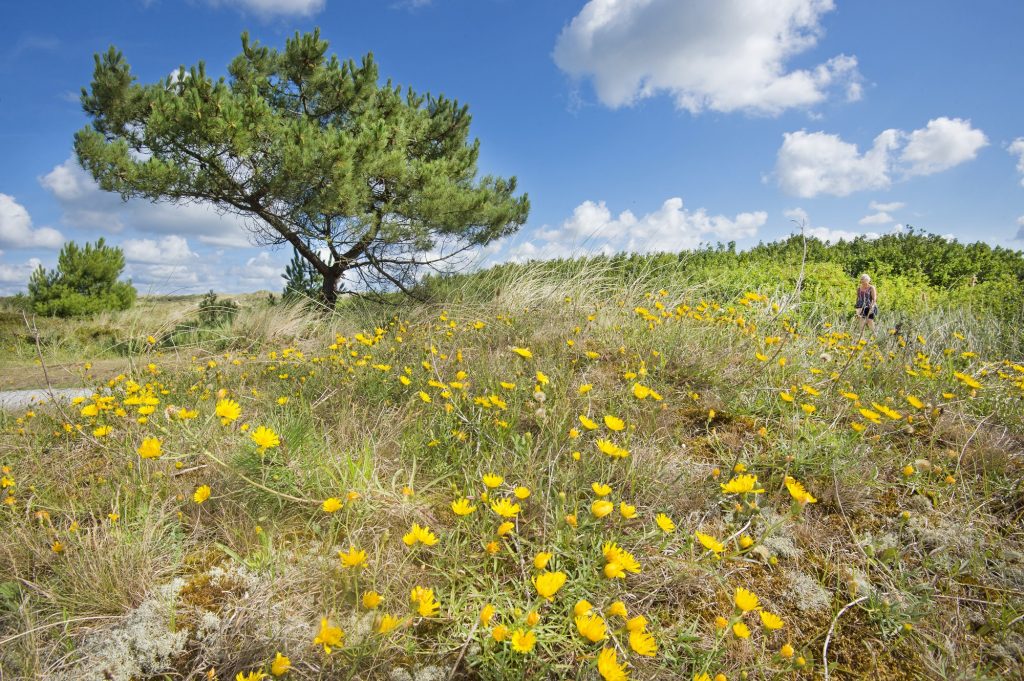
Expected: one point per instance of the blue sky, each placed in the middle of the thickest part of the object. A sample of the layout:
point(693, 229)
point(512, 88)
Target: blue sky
point(632, 124)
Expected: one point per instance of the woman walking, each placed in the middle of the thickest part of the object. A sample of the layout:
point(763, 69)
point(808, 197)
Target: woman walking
point(867, 307)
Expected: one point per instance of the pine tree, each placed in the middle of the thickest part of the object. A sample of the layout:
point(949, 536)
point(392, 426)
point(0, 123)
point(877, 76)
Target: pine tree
point(302, 280)
point(367, 182)
point(85, 282)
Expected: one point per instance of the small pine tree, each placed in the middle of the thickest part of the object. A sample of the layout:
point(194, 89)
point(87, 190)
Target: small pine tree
point(85, 282)
point(302, 280)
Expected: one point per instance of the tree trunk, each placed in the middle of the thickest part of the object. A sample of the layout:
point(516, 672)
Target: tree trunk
point(330, 290)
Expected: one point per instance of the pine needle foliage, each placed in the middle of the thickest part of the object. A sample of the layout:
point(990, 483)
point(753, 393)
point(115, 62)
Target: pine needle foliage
point(369, 183)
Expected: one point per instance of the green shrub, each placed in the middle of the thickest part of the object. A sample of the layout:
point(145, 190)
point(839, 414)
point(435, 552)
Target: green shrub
point(84, 283)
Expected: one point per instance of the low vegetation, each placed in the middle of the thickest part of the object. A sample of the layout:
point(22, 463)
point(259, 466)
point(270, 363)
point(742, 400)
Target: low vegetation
point(556, 470)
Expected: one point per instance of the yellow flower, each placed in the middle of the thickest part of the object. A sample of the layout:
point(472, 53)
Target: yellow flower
point(328, 636)
point(582, 607)
point(709, 542)
point(742, 484)
point(587, 423)
point(591, 627)
point(642, 643)
point(353, 558)
point(741, 630)
point(523, 641)
point(150, 448)
point(492, 547)
point(532, 618)
point(487, 614)
point(914, 402)
point(548, 584)
point(280, 665)
point(499, 633)
point(665, 523)
point(521, 493)
point(601, 489)
point(265, 438)
point(627, 510)
point(228, 411)
point(601, 508)
point(523, 352)
point(419, 534)
point(201, 494)
point(585, 388)
point(908, 470)
point(617, 609)
point(614, 423)
point(797, 491)
point(786, 651)
point(540, 561)
point(505, 528)
point(424, 396)
point(102, 431)
point(251, 676)
point(746, 541)
point(808, 408)
point(571, 519)
point(609, 666)
point(542, 378)
point(331, 505)
point(620, 560)
point(428, 605)
point(505, 508)
point(371, 599)
point(462, 507)
point(388, 623)
point(721, 623)
point(745, 600)
point(611, 449)
point(491, 480)
point(771, 621)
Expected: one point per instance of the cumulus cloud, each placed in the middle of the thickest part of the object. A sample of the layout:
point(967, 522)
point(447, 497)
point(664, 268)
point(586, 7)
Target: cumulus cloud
point(800, 217)
point(16, 228)
point(886, 207)
point(593, 229)
point(1016, 148)
point(722, 55)
point(940, 145)
point(168, 250)
point(86, 206)
point(880, 218)
point(268, 8)
point(1020, 228)
point(14, 277)
point(813, 163)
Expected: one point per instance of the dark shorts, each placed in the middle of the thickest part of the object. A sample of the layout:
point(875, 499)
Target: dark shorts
point(867, 312)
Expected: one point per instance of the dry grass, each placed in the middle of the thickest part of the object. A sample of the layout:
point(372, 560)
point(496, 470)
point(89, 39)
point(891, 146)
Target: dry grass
point(227, 584)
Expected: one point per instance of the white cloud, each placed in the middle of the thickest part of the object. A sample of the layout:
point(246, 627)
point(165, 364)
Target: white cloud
point(940, 145)
point(1020, 228)
point(16, 228)
point(14, 277)
point(86, 206)
point(261, 271)
point(1016, 148)
point(722, 55)
point(880, 218)
point(269, 8)
point(886, 207)
point(813, 163)
point(168, 250)
point(592, 229)
point(800, 216)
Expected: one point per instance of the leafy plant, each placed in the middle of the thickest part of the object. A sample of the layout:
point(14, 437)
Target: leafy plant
point(85, 282)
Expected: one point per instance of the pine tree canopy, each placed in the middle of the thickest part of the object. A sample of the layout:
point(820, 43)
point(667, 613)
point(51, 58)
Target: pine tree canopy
point(369, 183)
